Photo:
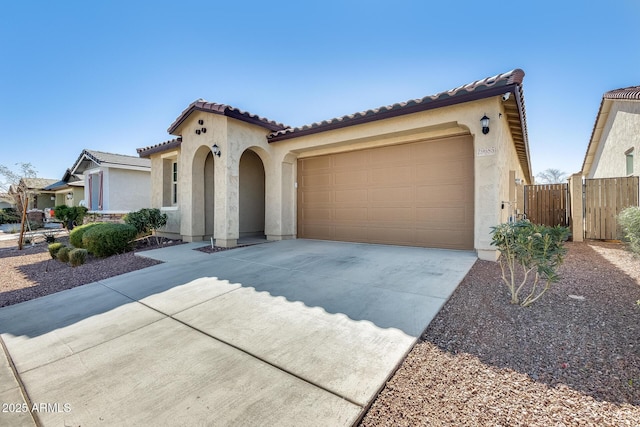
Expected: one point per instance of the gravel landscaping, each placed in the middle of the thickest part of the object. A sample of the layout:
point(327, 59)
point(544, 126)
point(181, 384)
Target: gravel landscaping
point(571, 359)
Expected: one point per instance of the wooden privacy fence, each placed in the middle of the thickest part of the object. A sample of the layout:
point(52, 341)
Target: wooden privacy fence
point(546, 204)
point(604, 199)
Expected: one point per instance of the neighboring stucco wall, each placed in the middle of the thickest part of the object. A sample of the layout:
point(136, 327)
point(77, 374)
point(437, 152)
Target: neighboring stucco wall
point(621, 133)
point(126, 190)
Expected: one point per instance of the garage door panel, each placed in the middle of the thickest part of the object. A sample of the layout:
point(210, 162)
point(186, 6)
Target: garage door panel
point(350, 214)
point(315, 163)
point(351, 195)
point(417, 194)
point(317, 180)
point(391, 194)
point(317, 197)
point(391, 175)
point(392, 214)
point(310, 214)
point(351, 178)
point(350, 160)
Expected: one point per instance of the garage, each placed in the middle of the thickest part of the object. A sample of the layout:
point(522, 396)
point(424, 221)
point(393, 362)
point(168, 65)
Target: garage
point(416, 194)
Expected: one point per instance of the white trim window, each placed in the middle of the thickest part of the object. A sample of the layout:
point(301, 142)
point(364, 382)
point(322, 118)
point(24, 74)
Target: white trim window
point(629, 161)
point(174, 183)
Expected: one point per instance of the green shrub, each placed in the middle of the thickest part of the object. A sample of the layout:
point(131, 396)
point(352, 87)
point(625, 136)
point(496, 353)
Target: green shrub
point(70, 215)
point(75, 236)
point(54, 248)
point(63, 254)
point(105, 239)
point(531, 253)
point(146, 221)
point(77, 257)
point(9, 216)
point(629, 220)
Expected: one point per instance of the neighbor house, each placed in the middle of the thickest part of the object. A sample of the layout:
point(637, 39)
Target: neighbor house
point(615, 140)
point(6, 201)
point(437, 171)
point(113, 183)
point(69, 190)
point(35, 190)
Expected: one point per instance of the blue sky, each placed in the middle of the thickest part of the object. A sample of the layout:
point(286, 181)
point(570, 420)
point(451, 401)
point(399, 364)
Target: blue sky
point(113, 75)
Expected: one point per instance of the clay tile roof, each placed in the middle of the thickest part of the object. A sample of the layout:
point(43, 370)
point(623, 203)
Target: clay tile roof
point(632, 92)
point(225, 110)
point(157, 148)
point(472, 91)
point(38, 183)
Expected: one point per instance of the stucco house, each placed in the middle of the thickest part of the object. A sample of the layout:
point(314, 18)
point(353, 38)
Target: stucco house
point(615, 140)
point(113, 183)
point(35, 188)
point(69, 190)
point(6, 201)
point(438, 171)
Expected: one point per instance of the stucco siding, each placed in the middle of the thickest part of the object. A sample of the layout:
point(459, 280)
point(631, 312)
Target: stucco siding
point(128, 190)
point(621, 134)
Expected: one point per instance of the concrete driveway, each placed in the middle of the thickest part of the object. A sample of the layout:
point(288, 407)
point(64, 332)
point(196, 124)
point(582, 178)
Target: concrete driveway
point(297, 332)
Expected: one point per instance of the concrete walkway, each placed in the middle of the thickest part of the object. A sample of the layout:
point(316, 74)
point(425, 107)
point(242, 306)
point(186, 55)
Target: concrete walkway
point(297, 332)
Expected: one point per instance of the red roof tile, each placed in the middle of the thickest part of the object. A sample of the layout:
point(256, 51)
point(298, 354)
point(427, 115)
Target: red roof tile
point(163, 146)
point(225, 110)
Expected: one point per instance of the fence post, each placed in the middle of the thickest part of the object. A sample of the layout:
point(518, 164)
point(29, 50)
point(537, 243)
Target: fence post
point(577, 208)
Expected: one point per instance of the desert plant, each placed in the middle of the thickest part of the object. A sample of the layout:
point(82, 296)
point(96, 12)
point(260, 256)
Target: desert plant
point(75, 236)
point(70, 216)
point(529, 254)
point(54, 248)
point(147, 221)
point(629, 220)
point(77, 257)
point(49, 236)
point(63, 254)
point(104, 239)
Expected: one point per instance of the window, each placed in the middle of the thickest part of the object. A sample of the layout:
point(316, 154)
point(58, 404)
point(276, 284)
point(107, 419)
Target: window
point(629, 158)
point(174, 183)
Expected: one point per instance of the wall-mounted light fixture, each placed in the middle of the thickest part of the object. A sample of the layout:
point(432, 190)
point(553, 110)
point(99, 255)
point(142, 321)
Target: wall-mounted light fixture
point(216, 150)
point(69, 196)
point(484, 121)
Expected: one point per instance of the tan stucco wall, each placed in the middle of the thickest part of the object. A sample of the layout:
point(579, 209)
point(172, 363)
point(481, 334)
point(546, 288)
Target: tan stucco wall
point(495, 159)
point(621, 132)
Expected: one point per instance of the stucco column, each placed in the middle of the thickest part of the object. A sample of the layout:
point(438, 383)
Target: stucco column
point(577, 209)
point(227, 201)
point(281, 198)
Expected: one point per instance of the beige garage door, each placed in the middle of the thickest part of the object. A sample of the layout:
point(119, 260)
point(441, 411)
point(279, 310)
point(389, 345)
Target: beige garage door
point(418, 194)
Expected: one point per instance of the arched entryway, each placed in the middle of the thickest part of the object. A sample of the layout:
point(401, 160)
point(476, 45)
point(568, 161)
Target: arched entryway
point(252, 195)
point(202, 195)
point(209, 196)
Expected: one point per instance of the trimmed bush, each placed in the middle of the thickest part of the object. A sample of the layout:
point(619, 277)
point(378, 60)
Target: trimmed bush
point(70, 215)
point(54, 248)
point(106, 239)
point(63, 254)
point(75, 236)
point(78, 257)
point(629, 220)
point(147, 221)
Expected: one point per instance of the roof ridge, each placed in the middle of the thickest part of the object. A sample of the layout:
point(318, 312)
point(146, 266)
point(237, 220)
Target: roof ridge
point(514, 76)
point(631, 92)
point(225, 110)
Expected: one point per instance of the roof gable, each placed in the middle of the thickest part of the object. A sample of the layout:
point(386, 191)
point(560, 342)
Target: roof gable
point(631, 93)
point(93, 158)
point(225, 110)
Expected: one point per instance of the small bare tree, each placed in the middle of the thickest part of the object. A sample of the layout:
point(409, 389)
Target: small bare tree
point(551, 176)
point(11, 184)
